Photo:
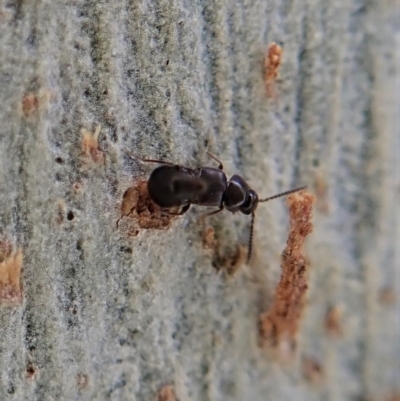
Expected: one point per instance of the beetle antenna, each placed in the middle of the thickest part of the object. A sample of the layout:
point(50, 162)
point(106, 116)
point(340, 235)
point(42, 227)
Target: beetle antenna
point(283, 194)
point(250, 244)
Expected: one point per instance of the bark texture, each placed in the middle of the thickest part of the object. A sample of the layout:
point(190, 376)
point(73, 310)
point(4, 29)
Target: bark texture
point(110, 317)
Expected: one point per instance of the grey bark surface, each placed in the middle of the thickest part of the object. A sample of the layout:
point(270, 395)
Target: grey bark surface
point(171, 79)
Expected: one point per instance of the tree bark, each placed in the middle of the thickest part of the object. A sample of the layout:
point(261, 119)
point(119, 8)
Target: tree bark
point(110, 316)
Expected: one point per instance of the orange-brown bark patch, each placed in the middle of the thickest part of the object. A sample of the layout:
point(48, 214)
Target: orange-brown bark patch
point(30, 104)
point(90, 144)
point(33, 102)
point(272, 62)
point(225, 259)
point(230, 261)
point(333, 321)
point(10, 276)
point(167, 393)
point(209, 240)
point(282, 319)
point(312, 370)
point(31, 371)
point(82, 381)
point(387, 296)
point(138, 210)
point(321, 192)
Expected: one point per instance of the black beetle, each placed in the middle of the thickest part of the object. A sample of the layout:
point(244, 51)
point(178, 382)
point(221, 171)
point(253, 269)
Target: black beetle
point(173, 185)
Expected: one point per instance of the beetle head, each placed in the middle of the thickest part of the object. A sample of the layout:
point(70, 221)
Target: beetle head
point(251, 202)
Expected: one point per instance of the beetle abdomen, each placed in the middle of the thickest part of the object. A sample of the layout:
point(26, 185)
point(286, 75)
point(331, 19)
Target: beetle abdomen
point(171, 186)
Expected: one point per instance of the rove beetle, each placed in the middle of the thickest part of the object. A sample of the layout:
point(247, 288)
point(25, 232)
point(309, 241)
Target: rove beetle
point(173, 185)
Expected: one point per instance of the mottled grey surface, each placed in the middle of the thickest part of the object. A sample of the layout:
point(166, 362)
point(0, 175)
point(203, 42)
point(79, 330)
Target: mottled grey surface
point(167, 79)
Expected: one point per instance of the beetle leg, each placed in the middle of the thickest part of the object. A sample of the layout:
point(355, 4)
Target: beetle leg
point(221, 167)
point(142, 159)
point(184, 209)
point(180, 213)
point(205, 215)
